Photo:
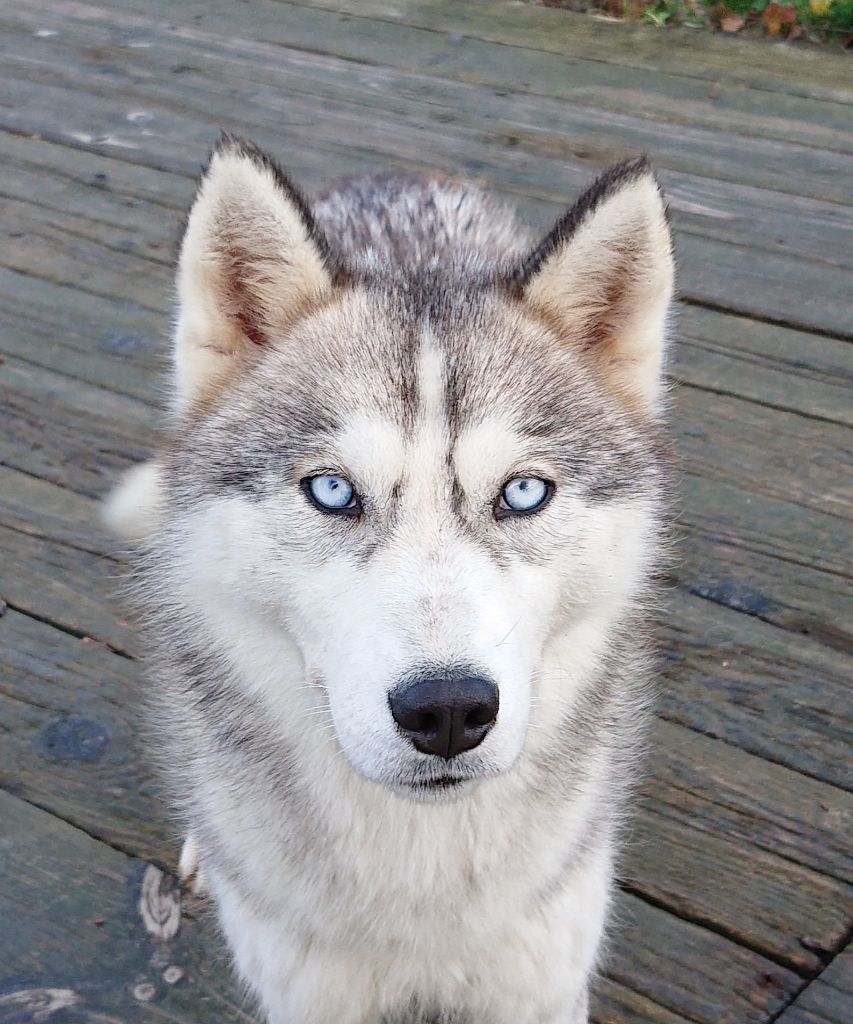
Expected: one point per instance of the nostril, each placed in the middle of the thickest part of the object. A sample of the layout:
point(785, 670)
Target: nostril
point(483, 714)
point(425, 723)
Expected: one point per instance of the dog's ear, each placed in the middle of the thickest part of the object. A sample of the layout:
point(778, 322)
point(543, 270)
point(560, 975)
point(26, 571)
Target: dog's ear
point(252, 262)
point(603, 277)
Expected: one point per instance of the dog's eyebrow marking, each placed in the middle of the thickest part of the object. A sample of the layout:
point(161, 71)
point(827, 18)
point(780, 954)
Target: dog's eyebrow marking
point(431, 380)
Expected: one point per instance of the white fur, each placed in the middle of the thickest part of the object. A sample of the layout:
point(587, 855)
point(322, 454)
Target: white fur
point(133, 510)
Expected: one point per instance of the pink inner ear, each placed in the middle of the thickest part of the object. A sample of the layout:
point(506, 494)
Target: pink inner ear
point(251, 329)
point(241, 302)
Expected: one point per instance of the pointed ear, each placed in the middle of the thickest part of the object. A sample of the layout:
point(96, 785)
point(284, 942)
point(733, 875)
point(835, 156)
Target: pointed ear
point(252, 262)
point(604, 278)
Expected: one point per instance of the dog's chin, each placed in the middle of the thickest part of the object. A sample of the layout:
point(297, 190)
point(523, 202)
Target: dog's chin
point(441, 789)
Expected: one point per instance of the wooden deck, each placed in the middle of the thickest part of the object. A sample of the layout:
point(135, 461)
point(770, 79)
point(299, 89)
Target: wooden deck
point(736, 902)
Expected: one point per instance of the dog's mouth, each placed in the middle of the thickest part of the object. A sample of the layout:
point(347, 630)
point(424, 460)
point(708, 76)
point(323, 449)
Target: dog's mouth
point(424, 787)
point(442, 782)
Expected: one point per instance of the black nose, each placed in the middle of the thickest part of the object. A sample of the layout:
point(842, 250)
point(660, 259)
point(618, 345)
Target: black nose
point(445, 715)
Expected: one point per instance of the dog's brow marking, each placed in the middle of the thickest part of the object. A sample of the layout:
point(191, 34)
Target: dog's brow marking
point(428, 467)
point(430, 380)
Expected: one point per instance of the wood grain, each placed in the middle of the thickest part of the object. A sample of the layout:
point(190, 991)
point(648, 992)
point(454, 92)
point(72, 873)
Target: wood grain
point(138, 117)
point(829, 999)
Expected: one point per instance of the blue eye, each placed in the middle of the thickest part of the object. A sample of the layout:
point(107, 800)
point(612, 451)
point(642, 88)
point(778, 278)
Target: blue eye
point(523, 495)
point(331, 493)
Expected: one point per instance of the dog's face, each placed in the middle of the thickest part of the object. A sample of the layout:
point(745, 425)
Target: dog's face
point(426, 487)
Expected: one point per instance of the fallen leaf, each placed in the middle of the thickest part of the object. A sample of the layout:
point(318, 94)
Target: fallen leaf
point(776, 17)
point(732, 22)
point(820, 7)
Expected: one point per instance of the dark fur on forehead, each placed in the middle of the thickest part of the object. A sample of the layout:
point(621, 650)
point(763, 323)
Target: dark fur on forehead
point(601, 189)
point(232, 144)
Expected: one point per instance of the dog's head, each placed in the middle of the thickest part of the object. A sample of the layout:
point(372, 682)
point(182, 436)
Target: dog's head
point(420, 496)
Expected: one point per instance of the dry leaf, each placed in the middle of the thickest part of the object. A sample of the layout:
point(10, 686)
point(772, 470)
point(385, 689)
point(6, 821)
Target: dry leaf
point(635, 9)
point(777, 17)
point(732, 22)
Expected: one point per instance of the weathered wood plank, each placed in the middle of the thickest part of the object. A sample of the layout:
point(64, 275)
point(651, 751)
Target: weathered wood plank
point(614, 1004)
point(828, 999)
point(799, 598)
point(74, 589)
point(694, 982)
point(279, 78)
point(133, 364)
point(97, 935)
point(58, 253)
point(70, 743)
point(430, 33)
point(723, 275)
point(725, 791)
point(793, 71)
point(91, 435)
point(65, 327)
point(753, 216)
point(768, 525)
point(193, 41)
point(574, 74)
point(771, 365)
point(765, 451)
point(704, 876)
point(40, 508)
point(757, 686)
point(81, 929)
point(687, 839)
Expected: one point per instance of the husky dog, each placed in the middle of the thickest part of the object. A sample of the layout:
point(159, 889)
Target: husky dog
point(396, 561)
